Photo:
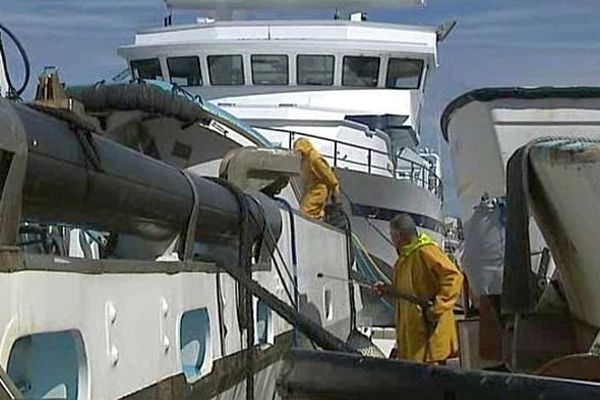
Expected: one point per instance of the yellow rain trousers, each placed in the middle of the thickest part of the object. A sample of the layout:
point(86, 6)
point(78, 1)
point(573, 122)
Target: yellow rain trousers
point(320, 183)
point(424, 270)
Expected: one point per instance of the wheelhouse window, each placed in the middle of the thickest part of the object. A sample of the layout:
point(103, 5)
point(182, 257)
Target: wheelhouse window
point(185, 71)
point(404, 73)
point(147, 69)
point(226, 70)
point(269, 69)
point(360, 71)
point(315, 69)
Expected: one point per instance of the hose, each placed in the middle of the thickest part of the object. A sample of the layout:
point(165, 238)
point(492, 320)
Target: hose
point(368, 221)
point(13, 92)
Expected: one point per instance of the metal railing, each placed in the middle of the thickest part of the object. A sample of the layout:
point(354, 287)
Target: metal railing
point(401, 168)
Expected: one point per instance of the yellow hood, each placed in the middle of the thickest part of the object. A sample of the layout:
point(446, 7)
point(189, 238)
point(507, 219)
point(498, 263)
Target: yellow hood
point(304, 146)
point(420, 241)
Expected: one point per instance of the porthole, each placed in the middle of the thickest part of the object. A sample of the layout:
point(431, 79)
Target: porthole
point(195, 344)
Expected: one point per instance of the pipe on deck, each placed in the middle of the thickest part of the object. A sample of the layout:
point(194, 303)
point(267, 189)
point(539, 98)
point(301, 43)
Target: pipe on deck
point(79, 178)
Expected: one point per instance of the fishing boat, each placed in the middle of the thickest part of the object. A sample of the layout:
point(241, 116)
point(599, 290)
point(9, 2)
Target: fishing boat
point(510, 242)
point(353, 86)
point(125, 276)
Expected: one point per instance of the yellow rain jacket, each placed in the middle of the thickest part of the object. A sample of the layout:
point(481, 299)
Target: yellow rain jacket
point(424, 270)
point(320, 183)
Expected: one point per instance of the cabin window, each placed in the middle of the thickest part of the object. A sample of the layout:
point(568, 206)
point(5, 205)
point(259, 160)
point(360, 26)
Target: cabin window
point(404, 73)
point(147, 69)
point(196, 352)
point(226, 70)
point(360, 71)
point(269, 69)
point(185, 71)
point(49, 365)
point(315, 69)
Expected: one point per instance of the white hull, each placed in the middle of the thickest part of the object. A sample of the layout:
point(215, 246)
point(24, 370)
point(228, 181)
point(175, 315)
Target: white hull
point(126, 331)
point(375, 200)
point(485, 127)
point(567, 206)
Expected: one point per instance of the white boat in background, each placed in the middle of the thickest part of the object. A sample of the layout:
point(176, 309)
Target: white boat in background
point(354, 87)
point(487, 127)
point(564, 195)
point(484, 127)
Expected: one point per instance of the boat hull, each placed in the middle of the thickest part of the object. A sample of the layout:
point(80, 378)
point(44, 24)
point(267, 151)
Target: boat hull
point(567, 206)
point(374, 200)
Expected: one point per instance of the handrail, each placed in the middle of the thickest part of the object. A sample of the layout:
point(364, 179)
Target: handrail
point(418, 173)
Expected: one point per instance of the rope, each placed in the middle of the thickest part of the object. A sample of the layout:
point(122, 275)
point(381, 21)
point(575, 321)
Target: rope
point(248, 288)
point(244, 256)
point(271, 236)
point(371, 261)
point(293, 300)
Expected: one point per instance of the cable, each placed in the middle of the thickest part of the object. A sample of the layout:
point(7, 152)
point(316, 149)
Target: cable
point(368, 220)
point(271, 236)
point(15, 93)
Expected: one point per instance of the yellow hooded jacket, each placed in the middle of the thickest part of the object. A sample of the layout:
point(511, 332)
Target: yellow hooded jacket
point(320, 183)
point(425, 271)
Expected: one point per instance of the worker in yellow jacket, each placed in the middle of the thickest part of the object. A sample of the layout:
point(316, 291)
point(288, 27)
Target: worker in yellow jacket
point(424, 271)
point(320, 183)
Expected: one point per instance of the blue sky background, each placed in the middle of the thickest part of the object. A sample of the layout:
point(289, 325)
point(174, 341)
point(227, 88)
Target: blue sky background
point(496, 43)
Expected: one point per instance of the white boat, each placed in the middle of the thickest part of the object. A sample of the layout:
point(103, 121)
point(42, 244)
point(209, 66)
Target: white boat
point(354, 87)
point(563, 193)
point(485, 126)
point(126, 277)
point(485, 129)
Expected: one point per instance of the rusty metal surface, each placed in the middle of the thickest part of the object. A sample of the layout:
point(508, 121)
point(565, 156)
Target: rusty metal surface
point(575, 366)
point(559, 155)
point(529, 352)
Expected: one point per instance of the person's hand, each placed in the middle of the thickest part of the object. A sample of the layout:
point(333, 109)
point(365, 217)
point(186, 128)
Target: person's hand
point(431, 317)
point(379, 288)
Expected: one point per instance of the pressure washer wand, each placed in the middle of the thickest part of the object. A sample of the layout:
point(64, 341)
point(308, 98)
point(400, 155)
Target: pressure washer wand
point(424, 304)
point(337, 278)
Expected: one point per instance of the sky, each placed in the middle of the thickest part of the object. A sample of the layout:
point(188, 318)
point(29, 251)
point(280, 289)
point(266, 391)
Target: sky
point(496, 43)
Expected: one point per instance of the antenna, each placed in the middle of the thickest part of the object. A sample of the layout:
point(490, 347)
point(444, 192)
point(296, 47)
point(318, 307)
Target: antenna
point(168, 20)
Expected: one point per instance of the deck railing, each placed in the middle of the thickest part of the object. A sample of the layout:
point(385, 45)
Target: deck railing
point(398, 167)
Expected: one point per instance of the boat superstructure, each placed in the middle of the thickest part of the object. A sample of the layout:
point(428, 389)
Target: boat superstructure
point(353, 87)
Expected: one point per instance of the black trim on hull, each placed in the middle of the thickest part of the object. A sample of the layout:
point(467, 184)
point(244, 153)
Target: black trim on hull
point(490, 94)
point(227, 373)
point(334, 376)
point(387, 214)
